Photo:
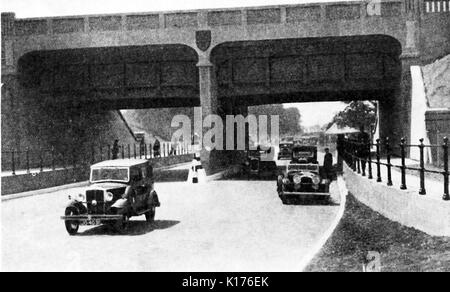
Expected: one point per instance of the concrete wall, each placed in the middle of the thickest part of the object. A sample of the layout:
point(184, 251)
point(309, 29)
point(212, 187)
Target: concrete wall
point(438, 127)
point(405, 207)
point(29, 182)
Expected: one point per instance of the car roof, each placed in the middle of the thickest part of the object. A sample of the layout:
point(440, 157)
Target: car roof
point(305, 147)
point(120, 163)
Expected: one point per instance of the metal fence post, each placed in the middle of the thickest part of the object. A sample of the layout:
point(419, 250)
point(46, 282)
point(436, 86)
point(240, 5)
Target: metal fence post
point(28, 160)
point(101, 153)
point(92, 154)
point(53, 158)
point(123, 152)
point(363, 158)
point(446, 196)
point(129, 150)
point(378, 162)
point(403, 153)
point(370, 159)
point(13, 164)
point(358, 160)
point(41, 160)
point(64, 159)
point(352, 155)
point(422, 169)
point(109, 152)
point(389, 165)
point(145, 151)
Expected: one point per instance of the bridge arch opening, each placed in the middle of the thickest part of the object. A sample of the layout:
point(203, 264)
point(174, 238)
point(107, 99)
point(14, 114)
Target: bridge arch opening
point(113, 77)
point(308, 70)
point(71, 99)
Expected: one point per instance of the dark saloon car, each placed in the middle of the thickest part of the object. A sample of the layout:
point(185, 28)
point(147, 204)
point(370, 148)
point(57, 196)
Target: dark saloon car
point(285, 150)
point(119, 189)
point(304, 154)
point(260, 162)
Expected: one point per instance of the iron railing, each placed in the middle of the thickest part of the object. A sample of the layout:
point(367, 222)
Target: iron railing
point(358, 156)
point(39, 160)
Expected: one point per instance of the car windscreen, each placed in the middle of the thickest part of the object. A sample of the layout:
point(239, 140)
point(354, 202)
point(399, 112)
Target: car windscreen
point(303, 167)
point(303, 153)
point(109, 174)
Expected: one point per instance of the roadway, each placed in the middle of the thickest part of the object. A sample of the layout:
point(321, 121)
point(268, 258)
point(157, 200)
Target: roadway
point(233, 225)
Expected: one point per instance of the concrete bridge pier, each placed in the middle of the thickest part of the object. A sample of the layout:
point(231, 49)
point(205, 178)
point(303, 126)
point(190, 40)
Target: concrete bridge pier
point(10, 115)
point(211, 104)
point(395, 107)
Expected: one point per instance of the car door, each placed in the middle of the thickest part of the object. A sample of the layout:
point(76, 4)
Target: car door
point(136, 178)
point(142, 187)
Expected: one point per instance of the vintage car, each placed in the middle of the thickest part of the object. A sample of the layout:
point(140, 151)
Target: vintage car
point(260, 162)
point(304, 154)
point(302, 179)
point(119, 189)
point(285, 150)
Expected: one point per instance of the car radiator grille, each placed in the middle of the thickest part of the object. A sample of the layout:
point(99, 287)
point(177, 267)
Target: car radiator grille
point(254, 164)
point(95, 195)
point(307, 180)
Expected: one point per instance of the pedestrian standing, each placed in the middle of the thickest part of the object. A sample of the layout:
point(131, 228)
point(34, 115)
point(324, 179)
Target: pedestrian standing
point(157, 148)
point(328, 164)
point(115, 150)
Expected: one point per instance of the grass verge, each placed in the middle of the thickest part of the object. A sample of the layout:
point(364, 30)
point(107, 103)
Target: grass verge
point(402, 249)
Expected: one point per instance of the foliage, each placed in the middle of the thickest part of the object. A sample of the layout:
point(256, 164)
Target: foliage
point(290, 118)
point(361, 115)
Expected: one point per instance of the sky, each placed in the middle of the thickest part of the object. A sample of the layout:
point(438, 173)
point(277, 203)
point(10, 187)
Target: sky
point(317, 113)
point(312, 113)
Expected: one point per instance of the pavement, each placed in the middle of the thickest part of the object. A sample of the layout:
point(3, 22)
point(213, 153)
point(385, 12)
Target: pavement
point(32, 171)
point(181, 166)
point(234, 226)
point(433, 187)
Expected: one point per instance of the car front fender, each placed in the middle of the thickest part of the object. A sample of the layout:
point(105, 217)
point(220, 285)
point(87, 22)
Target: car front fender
point(78, 205)
point(120, 204)
point(154, 199)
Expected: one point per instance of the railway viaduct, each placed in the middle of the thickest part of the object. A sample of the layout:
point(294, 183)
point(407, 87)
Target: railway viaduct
point(222, 60)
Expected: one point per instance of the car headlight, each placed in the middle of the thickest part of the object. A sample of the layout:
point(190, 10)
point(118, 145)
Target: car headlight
point(109, 197)
point(297, 179)
point(316, 180)
point(81, 198)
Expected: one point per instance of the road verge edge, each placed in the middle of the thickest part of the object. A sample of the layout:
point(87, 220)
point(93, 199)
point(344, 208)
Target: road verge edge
point(343, 192)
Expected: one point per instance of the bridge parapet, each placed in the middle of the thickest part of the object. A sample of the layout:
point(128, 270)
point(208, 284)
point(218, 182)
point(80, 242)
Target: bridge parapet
point(210, 19)
point(436, 6)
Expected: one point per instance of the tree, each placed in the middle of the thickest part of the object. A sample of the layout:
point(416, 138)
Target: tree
point(361, 115)
point(290, 118)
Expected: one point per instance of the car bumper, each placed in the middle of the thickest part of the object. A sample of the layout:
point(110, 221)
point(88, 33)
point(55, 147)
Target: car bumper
point(304, 194)
point(280, 157)
point(92, 219)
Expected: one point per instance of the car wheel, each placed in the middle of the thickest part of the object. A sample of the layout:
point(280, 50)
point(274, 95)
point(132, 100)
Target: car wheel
point(150, 215)
point(72, 226)
point(284, 200)
point(122, 224)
